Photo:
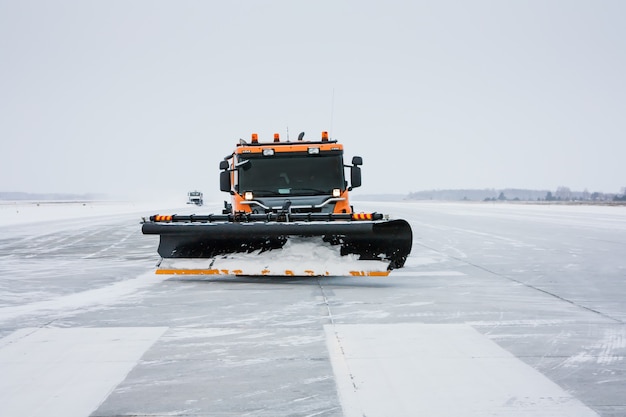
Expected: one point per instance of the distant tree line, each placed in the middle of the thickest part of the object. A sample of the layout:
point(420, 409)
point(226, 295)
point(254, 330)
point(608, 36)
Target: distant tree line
point(565, 194)
point(20, 196)
point(561, 194)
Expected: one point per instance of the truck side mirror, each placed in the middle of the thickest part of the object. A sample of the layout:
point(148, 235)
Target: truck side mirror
point(225, 184)
point(225, 181)
point(355, 176)
point(355, 172)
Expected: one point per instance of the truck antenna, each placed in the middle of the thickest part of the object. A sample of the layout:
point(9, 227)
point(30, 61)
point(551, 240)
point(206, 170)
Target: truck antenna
point(332, 113)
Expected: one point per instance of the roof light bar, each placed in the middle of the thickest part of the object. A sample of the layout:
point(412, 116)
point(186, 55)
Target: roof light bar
point(268, 152)
point(276, 137)
point(324, 136)
point(314, 151)
point(255, 138)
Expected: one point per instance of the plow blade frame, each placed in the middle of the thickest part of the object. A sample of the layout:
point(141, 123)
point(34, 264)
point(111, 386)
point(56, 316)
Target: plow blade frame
point(389, 240)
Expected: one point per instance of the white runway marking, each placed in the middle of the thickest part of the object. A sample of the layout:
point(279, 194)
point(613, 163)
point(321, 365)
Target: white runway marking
point(438, 371)
point(67, 372)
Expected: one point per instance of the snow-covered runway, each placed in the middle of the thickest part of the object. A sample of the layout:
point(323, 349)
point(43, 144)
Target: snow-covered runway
point(505, 310)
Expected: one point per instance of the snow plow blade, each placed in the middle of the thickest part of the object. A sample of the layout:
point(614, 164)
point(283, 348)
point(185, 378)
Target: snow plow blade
point(269, 245)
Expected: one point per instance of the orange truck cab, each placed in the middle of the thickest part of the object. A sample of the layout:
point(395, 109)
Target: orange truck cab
point(293, 177)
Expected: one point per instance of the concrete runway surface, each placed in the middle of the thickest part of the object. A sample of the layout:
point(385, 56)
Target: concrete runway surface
point(501, 310)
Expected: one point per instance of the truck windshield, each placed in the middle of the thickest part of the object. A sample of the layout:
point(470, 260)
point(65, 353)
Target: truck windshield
point(293, 175)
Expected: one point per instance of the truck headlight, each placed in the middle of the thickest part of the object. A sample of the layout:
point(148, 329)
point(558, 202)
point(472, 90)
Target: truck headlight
point(248, 195)
point(336, 192)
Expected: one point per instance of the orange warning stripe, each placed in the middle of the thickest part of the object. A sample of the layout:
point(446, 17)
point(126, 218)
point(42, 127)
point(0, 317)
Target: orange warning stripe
point(362, 216)
point(162, 218)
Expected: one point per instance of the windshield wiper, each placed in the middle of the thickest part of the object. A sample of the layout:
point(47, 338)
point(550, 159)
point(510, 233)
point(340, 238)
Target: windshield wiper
point(265, 192)
point(310, 190)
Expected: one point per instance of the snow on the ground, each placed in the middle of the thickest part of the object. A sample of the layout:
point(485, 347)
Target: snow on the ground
point(462, 363)
point(21, 212)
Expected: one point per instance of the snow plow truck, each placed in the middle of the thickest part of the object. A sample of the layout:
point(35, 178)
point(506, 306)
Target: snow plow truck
point(195, 197)
point(289, 215)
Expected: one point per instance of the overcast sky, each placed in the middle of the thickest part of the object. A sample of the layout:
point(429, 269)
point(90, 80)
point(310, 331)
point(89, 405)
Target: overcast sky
point(124, 97)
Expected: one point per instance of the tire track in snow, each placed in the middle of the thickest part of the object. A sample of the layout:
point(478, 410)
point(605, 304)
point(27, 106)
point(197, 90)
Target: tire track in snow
point(552, 294)
point(89, 299)
point(114, 245)
point(605, 351)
